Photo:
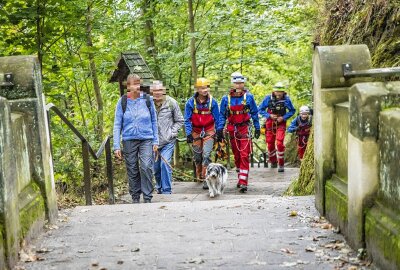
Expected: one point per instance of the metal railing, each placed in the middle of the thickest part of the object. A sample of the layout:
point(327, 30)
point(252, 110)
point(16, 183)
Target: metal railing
point(87, 150)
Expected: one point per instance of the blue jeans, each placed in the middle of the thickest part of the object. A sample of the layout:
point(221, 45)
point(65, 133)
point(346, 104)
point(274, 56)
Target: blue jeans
point(162, 171)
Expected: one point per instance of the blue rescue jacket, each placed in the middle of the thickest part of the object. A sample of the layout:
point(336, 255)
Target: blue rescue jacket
point(250, 102)
point(268, 101)
point(189, 107)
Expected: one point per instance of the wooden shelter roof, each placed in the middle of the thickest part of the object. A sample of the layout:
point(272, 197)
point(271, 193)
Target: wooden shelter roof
point(131, 63)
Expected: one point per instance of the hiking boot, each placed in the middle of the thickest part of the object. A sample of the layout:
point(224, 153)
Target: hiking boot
point(238, 185)
point(243, 188)
point(147, 200)
point(205, 186)
point(158, 191)
point(274, 165)
point(135, 200)
point(281, 168)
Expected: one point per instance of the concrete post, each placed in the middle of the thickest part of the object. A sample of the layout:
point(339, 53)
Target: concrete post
point(329, 88)
point(8, 191)
point(363, 154)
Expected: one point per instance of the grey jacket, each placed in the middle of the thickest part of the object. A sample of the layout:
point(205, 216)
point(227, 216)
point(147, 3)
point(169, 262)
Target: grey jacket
point(169, 120)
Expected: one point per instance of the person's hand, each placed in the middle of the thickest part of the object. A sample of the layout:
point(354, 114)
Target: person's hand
point(257, 134)
point(118, 154)
point(189, 138)
point(220, 135)
point(273, 116)
point(280, 119)
point(155, 148)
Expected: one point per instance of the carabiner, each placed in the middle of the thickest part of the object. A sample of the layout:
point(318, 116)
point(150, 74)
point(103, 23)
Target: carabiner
point(202, 134)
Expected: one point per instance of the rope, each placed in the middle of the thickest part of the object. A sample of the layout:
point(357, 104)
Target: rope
point(176, 170)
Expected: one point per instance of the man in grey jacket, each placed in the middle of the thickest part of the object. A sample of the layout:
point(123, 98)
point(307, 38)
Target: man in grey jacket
point(169, 120)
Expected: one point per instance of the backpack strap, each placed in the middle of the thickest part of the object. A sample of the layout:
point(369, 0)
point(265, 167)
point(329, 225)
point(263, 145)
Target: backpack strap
point(124, 101)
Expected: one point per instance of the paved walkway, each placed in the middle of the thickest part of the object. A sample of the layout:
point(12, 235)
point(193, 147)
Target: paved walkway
point(257, 230)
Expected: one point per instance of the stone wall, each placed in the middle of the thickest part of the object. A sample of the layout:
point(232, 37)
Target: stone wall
point(27, 194)
point(357, 146)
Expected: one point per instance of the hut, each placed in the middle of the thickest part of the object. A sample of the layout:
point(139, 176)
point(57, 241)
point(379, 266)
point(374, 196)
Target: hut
point(130, 62)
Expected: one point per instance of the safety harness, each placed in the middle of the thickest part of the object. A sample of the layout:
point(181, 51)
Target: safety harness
point(245, 110)
point(277, 106)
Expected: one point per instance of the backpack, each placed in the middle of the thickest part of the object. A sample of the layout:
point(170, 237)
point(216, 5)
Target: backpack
point(124, 102)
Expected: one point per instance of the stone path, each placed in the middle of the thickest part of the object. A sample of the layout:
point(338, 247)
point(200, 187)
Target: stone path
point(188, 230)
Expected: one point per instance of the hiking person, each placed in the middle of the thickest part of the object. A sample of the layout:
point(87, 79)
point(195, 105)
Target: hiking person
point(136, 119)
point(302, 126)
point(238, 107)
point(277, 108)
point(169, 121)
point(201, 119)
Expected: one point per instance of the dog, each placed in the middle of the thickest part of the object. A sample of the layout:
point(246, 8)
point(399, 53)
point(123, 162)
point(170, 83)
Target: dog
point(216, 178)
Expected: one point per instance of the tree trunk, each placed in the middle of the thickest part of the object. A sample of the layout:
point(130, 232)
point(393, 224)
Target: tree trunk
point(93, 71)
point(192, 40)
point(39, 31)
point(149, 40)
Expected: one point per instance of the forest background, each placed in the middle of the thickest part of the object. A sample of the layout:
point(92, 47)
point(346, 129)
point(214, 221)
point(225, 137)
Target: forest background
point(79, 41)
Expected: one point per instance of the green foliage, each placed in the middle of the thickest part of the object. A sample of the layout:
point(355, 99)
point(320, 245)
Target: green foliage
point(268, 40)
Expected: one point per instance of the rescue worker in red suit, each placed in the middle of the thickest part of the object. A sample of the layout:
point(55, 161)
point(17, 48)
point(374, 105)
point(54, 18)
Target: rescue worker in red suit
point(201, 119)
point(277, 108)
point(302, 126)
point(239, 107)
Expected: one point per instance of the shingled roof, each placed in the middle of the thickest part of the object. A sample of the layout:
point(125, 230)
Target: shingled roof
point(131, 62)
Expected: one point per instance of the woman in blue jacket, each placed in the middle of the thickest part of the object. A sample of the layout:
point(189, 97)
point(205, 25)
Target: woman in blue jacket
point(136, 120)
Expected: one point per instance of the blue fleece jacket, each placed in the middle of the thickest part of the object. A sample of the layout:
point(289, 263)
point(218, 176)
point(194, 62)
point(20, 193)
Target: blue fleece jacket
point(294, 125)
point(137, 122)
point(290, 110)
point(189, 107)
point(237, 101)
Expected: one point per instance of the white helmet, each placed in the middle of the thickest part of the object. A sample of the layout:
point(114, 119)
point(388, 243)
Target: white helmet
point(279, 86)
point(237, 77)
point(304, 109)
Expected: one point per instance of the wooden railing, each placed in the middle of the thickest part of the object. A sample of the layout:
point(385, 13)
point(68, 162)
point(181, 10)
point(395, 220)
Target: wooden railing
point(87, 150)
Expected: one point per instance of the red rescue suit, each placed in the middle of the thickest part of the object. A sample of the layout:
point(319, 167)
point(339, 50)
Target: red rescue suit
point(240, 138)
point(303, 132)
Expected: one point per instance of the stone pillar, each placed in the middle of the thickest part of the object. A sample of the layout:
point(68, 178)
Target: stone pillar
point(329, 88)
point(27, 190)
point(363, 154)
point(8, 191)
point(27, 97)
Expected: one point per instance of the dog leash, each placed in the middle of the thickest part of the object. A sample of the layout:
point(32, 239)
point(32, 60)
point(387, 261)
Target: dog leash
point(176, 170)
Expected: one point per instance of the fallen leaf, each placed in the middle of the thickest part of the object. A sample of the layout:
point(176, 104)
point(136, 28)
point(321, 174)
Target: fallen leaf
point(286, 250)
point(352, 268)
point(27, 256)
point(196, 260)
point(326, 226)
point(311, 249)
point(135, 250)
point(95, 263)
point(120, 262)
point(162, 207)
point(42, 250)
point(293, 213)
point(85, 210)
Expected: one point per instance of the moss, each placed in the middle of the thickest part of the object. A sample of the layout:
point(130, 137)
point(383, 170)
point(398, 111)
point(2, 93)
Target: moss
point(374, 23)
point(31, 212)
point(382, 232)
point(336, 203)
point(305, 184)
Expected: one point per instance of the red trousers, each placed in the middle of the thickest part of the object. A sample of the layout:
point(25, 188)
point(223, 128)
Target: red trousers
point(275, 135)
point(241, 148)
point(302, 145)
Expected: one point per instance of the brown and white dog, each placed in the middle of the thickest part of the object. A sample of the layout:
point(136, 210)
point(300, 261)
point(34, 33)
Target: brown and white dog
point(216, 178)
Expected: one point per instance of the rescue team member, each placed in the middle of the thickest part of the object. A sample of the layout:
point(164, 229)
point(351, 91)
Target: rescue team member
point(201, 119)
point(277, 108)
point(169, 120)
point(238, 107)
point(302, 126)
